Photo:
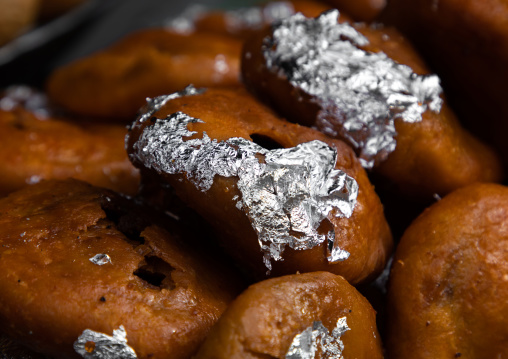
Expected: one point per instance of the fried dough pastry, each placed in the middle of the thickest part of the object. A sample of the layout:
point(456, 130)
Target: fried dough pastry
point(449, 283)
point(15, 17)
point(83, 269)
point(277, 318)
point(35, 148)
point(244, 22)
point(278, 201)
point(466, 43)
point(382, 101)
point(114, 83)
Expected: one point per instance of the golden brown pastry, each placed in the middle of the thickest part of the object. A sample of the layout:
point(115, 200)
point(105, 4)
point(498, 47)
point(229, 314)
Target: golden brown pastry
point(16, 16)
point(358, 90)
point(114, 83)
point(466, 43)
point(449, 280)
point(278, 318)
point(36, 147)
point(83, 270)
point(283, 197)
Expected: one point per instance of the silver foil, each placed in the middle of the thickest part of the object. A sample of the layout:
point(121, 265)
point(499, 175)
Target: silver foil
point(286, 193)
point(360, 93)
point(318, 339)
point(94, 345)
point(155, 104)
point(184, 23)
point(27, 98)
point(100, 259)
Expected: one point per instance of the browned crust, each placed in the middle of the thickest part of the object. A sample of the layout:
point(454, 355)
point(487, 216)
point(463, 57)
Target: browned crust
point(36, 148)
point(435, 155)
point(227, 113)
point(114, 83)
point(51, 291)
point(448, 284)
point(248, 329)
point(466, 43)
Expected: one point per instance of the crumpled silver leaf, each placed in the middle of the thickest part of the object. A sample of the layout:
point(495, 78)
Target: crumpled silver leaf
point(318, 338)
point(100, 259)
point(155, 104)
point(286, 196)
point(360, 93)
point(95, 345)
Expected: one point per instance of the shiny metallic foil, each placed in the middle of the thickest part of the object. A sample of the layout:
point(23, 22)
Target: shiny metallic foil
point(155, 104)
point(286, 195)
point(94, 345)
point(100, 259)
point(317, 340)
point(360, 93)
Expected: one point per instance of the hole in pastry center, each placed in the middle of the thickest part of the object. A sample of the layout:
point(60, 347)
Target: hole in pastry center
point(265, 141)
point(130, 224)
point(156, 272)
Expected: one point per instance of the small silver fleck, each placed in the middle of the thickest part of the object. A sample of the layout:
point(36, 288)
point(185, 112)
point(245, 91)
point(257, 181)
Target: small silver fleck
point(185, 22)
point(95, 345)
point(381, 282)
point(172, 215)
point(359, 93)
point(306, 344)
point(27, 98)
point(100, 259)
point(237, 20)
point(33, 179)
point(256, 17)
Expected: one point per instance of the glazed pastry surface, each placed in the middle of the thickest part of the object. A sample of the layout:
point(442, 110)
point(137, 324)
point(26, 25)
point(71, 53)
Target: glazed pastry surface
point(466, 43)
point(114, 83)
point(448, 285)
point(226, 114)
point(38, 147)
point(431, 155)
point(248, 329)
point(76, 257)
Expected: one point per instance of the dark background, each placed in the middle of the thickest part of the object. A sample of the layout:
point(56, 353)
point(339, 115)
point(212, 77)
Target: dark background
point(88, 28)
